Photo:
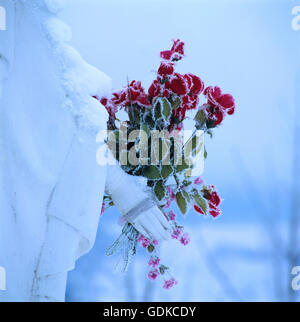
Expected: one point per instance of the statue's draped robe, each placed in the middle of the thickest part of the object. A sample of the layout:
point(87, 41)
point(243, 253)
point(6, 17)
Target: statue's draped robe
point(51, 187)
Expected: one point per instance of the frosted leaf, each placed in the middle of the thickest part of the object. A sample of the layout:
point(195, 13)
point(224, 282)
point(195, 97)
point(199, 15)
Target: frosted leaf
point(125, 246)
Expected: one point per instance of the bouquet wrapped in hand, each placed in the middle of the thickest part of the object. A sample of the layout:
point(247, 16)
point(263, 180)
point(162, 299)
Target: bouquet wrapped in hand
point(153, 144)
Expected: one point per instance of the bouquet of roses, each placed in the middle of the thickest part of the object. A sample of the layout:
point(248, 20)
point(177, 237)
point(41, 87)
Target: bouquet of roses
point(152, 143)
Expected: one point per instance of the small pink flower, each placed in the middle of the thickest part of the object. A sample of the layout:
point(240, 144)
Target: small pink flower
point(185, 239)
point(152, 275)
point(155, 242)
point(172, 215)
point(198, 180)
point(154, 261)
point(176, 233)
point(102, 208)
point(171, 197)
point(169, 283)
point(144, 241)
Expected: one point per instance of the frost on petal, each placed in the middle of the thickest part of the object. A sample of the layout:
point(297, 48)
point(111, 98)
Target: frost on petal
point(169, 283)
point(165, 69)
point(152, 275)
point(178, 84)
point(185, 239)
point(154, 261)
point(176, 233)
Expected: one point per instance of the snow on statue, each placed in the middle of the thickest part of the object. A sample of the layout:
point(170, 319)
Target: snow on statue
point(51, 186)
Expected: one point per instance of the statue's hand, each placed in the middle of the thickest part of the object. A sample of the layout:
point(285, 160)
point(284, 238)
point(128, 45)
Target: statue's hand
point(135, 204)
point(152, 224)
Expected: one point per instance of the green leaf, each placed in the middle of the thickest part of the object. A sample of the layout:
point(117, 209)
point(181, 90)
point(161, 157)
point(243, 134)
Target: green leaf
point(166, 170)
point(210, 133)
point(163, 269)
point(166, 108)
point(176, 102)
point(152, 172)
point(148, 119)
point(200, 119)
point(146, 129)
point(159, 190)
point(186, 196)
point(210, 124)
point(181, 167)
point(150, 248)
point(186, 183)
point(134, 114)
point(181, 202)
point(157, 110)
point(199, 201)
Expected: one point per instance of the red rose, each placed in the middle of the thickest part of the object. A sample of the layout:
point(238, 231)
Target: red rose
point(143, 100)
point(215, 212)
point(120, 98)
point(217, 99)
point(154, 89)
point(198, 209)
point(177, 84)
point(190, 102)
point(103, 101)
point(178, 46)
point(136, 90)
point(227, 101)
point(215, 198)
point(216, 115)
point(137, 94)
point(166, 54)
point(166, 93)
point(176, 52)
point(165, 69)
point(196, 85)
point(111, 109)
